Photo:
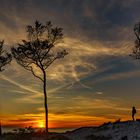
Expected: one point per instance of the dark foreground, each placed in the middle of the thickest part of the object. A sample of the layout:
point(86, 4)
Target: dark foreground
point(128, 130)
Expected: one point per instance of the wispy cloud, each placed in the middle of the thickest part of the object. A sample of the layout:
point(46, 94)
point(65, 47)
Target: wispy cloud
point(98, 42)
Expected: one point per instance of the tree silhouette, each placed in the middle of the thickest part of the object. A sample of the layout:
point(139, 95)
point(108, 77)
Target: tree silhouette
point(5, 58)
point(37, 52)
point(136, 49)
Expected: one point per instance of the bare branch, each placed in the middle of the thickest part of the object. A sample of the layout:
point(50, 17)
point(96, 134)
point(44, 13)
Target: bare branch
point(36, 75)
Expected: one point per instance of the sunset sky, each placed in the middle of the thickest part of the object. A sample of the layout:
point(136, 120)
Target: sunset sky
point(97, 82)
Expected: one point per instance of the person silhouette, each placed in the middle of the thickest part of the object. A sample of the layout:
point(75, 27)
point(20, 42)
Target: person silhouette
point(0, 129)
point(133, 113)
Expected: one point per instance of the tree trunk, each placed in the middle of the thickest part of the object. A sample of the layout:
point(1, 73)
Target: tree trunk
point(45, 103)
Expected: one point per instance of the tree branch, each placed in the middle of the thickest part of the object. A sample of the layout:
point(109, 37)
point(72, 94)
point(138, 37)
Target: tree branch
point(137, 36)
point(35, 74)
point(51, 62)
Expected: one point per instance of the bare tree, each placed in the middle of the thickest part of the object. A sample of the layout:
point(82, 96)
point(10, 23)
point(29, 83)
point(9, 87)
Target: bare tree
point(136, 48)
point(37, 52)
point(5, 58)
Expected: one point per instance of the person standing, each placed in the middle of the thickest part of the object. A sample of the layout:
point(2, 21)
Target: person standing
point(0, 129)
point(133, 113)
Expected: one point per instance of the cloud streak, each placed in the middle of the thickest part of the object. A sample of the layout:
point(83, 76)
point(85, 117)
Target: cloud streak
point(98, 42)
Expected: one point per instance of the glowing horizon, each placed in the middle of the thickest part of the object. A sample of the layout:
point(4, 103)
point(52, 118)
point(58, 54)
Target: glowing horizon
point(96, 83)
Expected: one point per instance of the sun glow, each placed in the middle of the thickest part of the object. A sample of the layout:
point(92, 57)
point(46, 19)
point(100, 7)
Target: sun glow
point(41, 124)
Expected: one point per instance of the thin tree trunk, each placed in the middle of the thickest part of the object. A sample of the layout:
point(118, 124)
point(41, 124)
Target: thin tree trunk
point(45, 103)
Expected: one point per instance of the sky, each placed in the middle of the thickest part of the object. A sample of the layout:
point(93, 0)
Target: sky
point(95, 83)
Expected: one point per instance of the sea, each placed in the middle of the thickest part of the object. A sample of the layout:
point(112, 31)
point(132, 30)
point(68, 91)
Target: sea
point(58, 130)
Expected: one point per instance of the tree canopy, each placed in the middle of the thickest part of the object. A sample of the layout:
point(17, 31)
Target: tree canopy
point(38, 49)
point(136, 48)
point(5, 58)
